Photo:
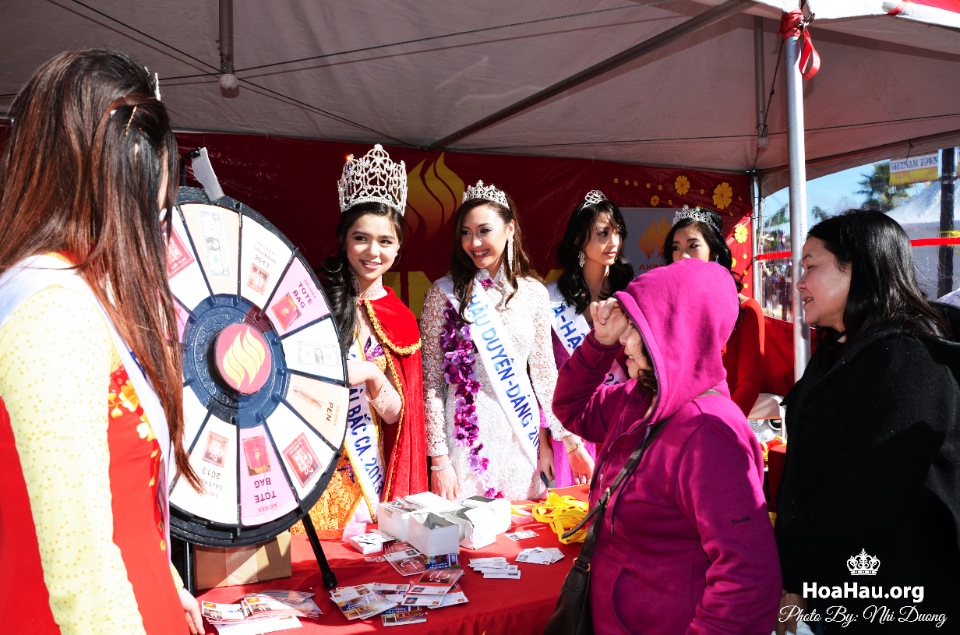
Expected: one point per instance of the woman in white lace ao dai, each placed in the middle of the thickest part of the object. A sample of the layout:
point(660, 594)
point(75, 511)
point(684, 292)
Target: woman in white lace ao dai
point(488, 358)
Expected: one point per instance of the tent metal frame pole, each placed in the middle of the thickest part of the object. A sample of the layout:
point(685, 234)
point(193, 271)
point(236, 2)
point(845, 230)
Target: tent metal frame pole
point(658, 41)
point(759, 76)
point(796, 152)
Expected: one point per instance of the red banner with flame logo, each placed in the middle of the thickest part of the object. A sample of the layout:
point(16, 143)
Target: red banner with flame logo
point(292, 182)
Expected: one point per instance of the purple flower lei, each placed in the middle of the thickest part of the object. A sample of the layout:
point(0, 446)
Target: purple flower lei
point(458, 363)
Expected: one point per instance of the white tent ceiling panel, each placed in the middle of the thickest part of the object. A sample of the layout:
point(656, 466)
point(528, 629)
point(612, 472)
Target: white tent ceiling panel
point(414, 73)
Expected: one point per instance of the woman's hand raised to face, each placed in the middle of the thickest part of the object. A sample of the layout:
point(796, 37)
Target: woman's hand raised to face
point(609, 321)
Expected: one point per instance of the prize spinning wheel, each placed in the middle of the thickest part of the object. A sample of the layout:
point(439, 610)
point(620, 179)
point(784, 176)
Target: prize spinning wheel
point(264, 390)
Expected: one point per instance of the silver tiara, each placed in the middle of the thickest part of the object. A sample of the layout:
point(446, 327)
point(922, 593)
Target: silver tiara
point(373, 178)
point(485, 192)
point(154, 83)
point(593, 197)
point(695, 214)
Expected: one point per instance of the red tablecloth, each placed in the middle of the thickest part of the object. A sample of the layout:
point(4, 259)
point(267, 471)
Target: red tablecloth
point(495, 606)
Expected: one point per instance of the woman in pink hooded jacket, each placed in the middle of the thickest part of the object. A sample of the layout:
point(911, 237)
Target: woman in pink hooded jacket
point(686, 544)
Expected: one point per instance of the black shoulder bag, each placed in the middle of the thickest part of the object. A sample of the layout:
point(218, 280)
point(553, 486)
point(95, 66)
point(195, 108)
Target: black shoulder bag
point(572, 614)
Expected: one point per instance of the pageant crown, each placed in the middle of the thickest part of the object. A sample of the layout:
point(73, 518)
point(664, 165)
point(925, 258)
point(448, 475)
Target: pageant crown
point(485, 192)
point(695, 214)
point(373, 178)
point(593, 197)
point(863, 564)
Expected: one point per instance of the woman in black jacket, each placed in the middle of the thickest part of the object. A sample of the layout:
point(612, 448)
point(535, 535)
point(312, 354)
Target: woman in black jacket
point(869, 505)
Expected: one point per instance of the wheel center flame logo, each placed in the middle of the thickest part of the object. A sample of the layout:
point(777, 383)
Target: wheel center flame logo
point(243, 358)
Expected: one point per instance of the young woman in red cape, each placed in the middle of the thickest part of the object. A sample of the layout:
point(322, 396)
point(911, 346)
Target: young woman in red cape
point(384, 453)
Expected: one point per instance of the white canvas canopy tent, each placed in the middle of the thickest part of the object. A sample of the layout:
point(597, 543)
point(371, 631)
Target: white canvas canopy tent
point(655, 82)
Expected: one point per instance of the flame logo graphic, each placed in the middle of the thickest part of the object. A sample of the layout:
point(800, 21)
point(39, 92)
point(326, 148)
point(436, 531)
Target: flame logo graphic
point(651, 242)
point(243, 359)
point(434, 193)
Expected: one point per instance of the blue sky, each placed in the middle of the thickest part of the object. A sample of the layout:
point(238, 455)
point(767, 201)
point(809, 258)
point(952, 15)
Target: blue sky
point(834, 192)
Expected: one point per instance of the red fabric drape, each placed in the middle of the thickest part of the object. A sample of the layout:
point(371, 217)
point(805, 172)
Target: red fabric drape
point(404, 444)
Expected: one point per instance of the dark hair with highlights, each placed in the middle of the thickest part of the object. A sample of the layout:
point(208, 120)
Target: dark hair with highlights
point(81, 174)
point(462, 269)
point(883, 284)
point(335, 273)
point(712, 233)
point(571, 283)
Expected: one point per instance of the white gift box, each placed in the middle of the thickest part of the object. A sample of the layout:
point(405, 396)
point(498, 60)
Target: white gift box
point(432, 502)
point(499, 509)
point(394, 518)
point(432, 534)
point(371, 542)
point(475, 527)
point(480, 521)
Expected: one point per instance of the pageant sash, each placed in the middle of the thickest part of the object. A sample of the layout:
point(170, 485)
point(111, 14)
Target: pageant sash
point(572, 328)
point(506, 371)
point(363, 444)
point(39, 272)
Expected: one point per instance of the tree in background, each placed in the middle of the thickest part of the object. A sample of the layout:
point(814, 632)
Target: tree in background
point(779, 217)
point(819, 213)
point(878, 194)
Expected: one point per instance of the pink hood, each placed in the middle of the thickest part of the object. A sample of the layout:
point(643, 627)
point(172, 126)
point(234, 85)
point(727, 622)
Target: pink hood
point(685, 312)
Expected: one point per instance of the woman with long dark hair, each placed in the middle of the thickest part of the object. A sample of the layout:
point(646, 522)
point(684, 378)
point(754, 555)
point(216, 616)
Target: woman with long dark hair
point(594, 268)
point(488, 363)
point(91, 416)
point(698, 233)
point(384, 455)
point(871, 484)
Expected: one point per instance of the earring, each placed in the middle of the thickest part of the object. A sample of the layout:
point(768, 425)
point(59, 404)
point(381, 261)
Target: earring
point(510, 253)
point(582, 259)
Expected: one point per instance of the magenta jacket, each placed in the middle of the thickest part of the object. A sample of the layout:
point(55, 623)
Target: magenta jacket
point(686, 544)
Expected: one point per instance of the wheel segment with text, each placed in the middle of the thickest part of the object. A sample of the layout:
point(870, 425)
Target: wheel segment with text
point(265, 396)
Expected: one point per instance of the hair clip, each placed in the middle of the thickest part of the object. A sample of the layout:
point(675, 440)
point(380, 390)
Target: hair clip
point(126, 129)
point(154, 83)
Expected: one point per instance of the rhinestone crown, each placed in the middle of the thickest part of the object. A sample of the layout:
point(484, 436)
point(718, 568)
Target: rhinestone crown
point(373, 178)
point(593, 197)
point(485, 192)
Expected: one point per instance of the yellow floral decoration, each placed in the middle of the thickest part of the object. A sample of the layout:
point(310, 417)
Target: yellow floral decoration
point(144, 431)
point(654, 200)
point(740, 233)
point(127, 398)
point(682, 185)
point(722, 195)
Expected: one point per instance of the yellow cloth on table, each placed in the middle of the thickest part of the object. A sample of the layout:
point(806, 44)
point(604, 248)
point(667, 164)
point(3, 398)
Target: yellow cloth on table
point(563, 513)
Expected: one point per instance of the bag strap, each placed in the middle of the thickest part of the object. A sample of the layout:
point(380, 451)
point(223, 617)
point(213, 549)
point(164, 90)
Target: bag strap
point(628, 467)
point(625, 471)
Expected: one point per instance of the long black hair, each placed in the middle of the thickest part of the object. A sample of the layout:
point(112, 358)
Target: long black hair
point(462, 269)
point(81, 172)
point(335, 274)
point(571, 283)
point(883, 284)
point(712, 232)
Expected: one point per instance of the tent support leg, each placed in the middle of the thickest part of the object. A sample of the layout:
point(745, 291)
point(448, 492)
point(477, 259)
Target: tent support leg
point(796, 151)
